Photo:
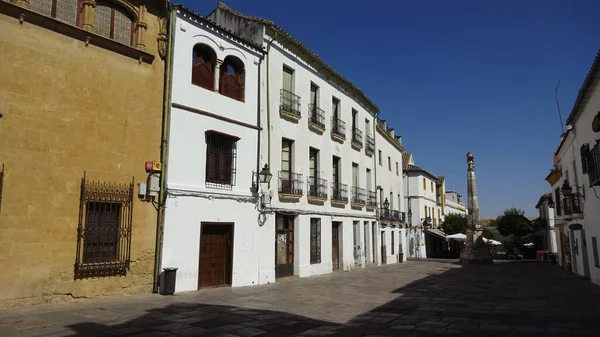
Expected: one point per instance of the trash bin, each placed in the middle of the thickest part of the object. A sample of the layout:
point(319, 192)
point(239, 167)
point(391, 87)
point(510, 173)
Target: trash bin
point(167, 284)
point(552, 259)
point(400, 257)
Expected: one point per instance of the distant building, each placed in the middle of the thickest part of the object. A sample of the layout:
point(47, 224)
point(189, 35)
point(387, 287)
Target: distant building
point(454, 203)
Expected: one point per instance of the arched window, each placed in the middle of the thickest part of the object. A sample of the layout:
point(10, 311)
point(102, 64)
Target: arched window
point(62, 10)
point(113, 22)
point(203, 66)
point(232, 78)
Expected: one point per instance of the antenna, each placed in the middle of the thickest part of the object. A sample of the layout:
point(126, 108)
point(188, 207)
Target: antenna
point(558, 106)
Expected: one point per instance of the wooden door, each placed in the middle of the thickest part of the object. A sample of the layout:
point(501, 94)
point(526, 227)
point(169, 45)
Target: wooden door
point(284, 245)
point(374, 242)
point(216, 255)
point(335, 245)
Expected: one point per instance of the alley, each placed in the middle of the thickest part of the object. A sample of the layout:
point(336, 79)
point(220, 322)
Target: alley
point(417, 298)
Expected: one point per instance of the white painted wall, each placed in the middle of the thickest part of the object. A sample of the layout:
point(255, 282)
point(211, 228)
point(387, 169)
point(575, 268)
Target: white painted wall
point(190, 202)
point(304, 139)
point(419, 198)
point(583, 133)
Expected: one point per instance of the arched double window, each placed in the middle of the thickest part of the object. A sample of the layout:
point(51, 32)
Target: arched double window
point(204, 60)
point(231, 83)
point(62, 10)
point(113, 22)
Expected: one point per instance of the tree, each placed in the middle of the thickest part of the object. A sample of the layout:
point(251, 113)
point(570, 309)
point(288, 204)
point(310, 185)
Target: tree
point(455, 223)
point(513, 221)
point(492, 233)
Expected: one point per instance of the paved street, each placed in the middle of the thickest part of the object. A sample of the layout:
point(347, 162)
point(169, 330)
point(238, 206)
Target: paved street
point(425, 298)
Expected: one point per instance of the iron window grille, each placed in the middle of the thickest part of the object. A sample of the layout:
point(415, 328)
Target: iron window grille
point(339, 192)
point(289, 102)
point(575, 199)
point(104, 229)
point(357, 136)
point(372, 199)
point(317, 115)
point(317, 187)
point(584, 152)
point(593, 165)
point(370, 144)
point(558, 208)
point(315, 241)
point(290, 183)
point(567, 205)
point(221, 158)
point(338, 127)
point(359, 195)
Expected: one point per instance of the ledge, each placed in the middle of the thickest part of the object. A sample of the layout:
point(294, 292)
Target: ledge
point(337, 137)
point(316, 128)
point(288, 115)
point(339, 203)
point(369, 152)
point(357, 146)
point(289, 197)
point(74, 32)
point(371, 208)
point(357, 206)
point(317, 200)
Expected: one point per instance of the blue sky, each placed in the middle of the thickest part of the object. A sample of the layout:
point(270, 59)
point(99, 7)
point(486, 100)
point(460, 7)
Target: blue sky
point(457, 76)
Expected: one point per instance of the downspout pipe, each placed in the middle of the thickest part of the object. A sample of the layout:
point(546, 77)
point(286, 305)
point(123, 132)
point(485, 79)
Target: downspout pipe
point(164, 146)
point(269, 103)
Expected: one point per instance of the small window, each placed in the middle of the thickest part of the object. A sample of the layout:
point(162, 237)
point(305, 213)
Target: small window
point(595, 248)
point(113, 22)
point(390, 164)
point(424, 184)
point(397, 169)
point(380, 159)
point(315, 240)
point(233, 77)
point(432, 186)
point(557, 206)
point(584, 152)
point(221, 152)
point(393, 245)
point(203, 66)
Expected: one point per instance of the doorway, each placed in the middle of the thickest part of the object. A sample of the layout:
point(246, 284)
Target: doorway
point(374, 241)
point(284, 245)
point(335, 244)
point(383, 249)
point(216, 255)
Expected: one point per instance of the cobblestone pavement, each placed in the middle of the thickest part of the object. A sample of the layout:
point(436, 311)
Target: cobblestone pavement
point(416, 298)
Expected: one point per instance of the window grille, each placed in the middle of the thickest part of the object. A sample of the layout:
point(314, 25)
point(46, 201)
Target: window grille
point(221, 155)
point(104, 229)
point(113, 23)
point(595, 248)
point(594, 165)
point(584, 152)
point(62, 10)
point(315, 241)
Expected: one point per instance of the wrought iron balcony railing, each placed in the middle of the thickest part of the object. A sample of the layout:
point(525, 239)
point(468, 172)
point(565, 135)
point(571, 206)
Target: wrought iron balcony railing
point(338, 127)
point(370, 146)
point(289, 102)
point(357, 136)
point(372, 199)
point(317, 115)
point(359, 195)
point(290, 183)
point(385, 213)
point(317, 187)
point(339, 192)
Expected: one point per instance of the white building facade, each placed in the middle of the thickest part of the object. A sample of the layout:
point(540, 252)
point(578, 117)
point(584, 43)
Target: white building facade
point(319, 146)
point(212, 156)
point(545, 208)
point(392, 213)
point(454, 203)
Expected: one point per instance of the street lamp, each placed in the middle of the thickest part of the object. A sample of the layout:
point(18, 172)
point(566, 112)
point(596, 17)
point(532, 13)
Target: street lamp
point(551, 203)
point(265, 175)
point(566, 189)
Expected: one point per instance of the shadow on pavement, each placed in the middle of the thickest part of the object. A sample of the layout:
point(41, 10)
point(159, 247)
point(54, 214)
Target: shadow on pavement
point(508, 299)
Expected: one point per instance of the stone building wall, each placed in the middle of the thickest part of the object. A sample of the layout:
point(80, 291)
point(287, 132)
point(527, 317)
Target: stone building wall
point(70, 106)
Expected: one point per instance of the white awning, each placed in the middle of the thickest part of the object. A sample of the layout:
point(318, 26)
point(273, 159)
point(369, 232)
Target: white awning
point(436, 232)
point(457, 237)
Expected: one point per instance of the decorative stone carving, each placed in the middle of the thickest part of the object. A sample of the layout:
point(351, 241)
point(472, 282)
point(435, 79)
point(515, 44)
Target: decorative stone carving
point(87, 15)
point(162, 38)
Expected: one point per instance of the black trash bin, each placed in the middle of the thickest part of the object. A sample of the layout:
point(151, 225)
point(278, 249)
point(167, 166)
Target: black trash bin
point(168, 279)
point(552, 259)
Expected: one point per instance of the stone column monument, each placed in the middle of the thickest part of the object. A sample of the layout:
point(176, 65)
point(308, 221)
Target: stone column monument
point(475, 252)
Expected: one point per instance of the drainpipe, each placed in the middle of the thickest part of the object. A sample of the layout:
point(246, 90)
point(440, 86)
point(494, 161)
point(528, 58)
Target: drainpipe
point(376, 250)
point(164, 144)
point(269, 104)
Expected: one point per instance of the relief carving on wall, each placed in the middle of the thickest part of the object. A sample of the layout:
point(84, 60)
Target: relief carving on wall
point(162, 38)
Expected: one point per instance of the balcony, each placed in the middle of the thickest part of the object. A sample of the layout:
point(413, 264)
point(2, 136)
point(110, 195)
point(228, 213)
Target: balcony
point(385, 214)
point(339, 194)
point(289, 106)
point(290, 185)
point(398, 216)
point(371, 201)
point(359, 197)
point(370, 146)
point(338, 129)
point(357, 139)
point(317, 190)
point(316, 121)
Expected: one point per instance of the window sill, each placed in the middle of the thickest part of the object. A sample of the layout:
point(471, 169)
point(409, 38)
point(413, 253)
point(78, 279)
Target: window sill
point(26, 15)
